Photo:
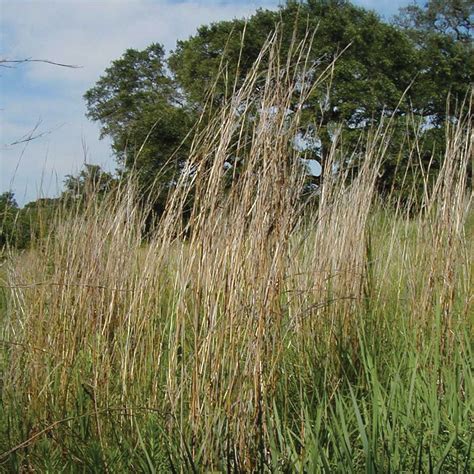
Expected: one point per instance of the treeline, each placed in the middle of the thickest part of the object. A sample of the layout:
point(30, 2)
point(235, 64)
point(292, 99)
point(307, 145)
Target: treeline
point(19, 226)
point(415, 71)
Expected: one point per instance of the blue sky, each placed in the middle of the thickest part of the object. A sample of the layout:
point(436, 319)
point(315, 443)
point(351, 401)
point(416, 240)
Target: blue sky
point(90, 34)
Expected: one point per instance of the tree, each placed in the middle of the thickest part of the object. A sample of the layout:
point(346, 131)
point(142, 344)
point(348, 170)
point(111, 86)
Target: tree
point(141, 109)
point(91, 180)
point(447, 17)
point(368, 80)
point(12, 232)
point(196, 61)
point(8, 212)
point(20, 226)
point(147, 109)
point(442, 33)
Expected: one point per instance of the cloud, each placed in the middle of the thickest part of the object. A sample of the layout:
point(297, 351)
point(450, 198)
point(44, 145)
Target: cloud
point(91, 34)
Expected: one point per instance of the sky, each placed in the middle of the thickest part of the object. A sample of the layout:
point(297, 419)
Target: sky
point(45, 102)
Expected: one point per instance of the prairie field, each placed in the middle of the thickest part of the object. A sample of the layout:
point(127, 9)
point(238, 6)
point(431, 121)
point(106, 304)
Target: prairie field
point(259, 324)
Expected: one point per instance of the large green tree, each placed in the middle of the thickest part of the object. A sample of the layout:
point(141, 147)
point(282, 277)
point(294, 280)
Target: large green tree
point(15, 223)
point(139, 106)
point(91, 180)
point(369, 77)
point(8, 217)
point(441, 31)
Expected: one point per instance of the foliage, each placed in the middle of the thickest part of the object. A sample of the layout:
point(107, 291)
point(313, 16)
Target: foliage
point(91, 180)
point(141, 109)
point(445, 17)
point(375, 62)
point(8, 219)
point(442, 33)
point(20, 227)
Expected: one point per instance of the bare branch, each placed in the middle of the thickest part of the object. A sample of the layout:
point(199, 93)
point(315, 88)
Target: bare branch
point(9, 63)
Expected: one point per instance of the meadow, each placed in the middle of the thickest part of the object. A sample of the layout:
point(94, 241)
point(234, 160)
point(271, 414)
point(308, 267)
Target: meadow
point(266, 331)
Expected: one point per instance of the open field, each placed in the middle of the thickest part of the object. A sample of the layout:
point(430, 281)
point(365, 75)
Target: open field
point(264, 332)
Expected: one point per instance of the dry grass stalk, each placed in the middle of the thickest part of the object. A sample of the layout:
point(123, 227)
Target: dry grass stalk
point(199, 322)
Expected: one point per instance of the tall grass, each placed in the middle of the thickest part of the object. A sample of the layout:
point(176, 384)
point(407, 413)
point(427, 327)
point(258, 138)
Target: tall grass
point(259, 333)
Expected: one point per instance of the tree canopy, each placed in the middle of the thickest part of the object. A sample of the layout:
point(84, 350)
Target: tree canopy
point(140, 107)
point(447, 17)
